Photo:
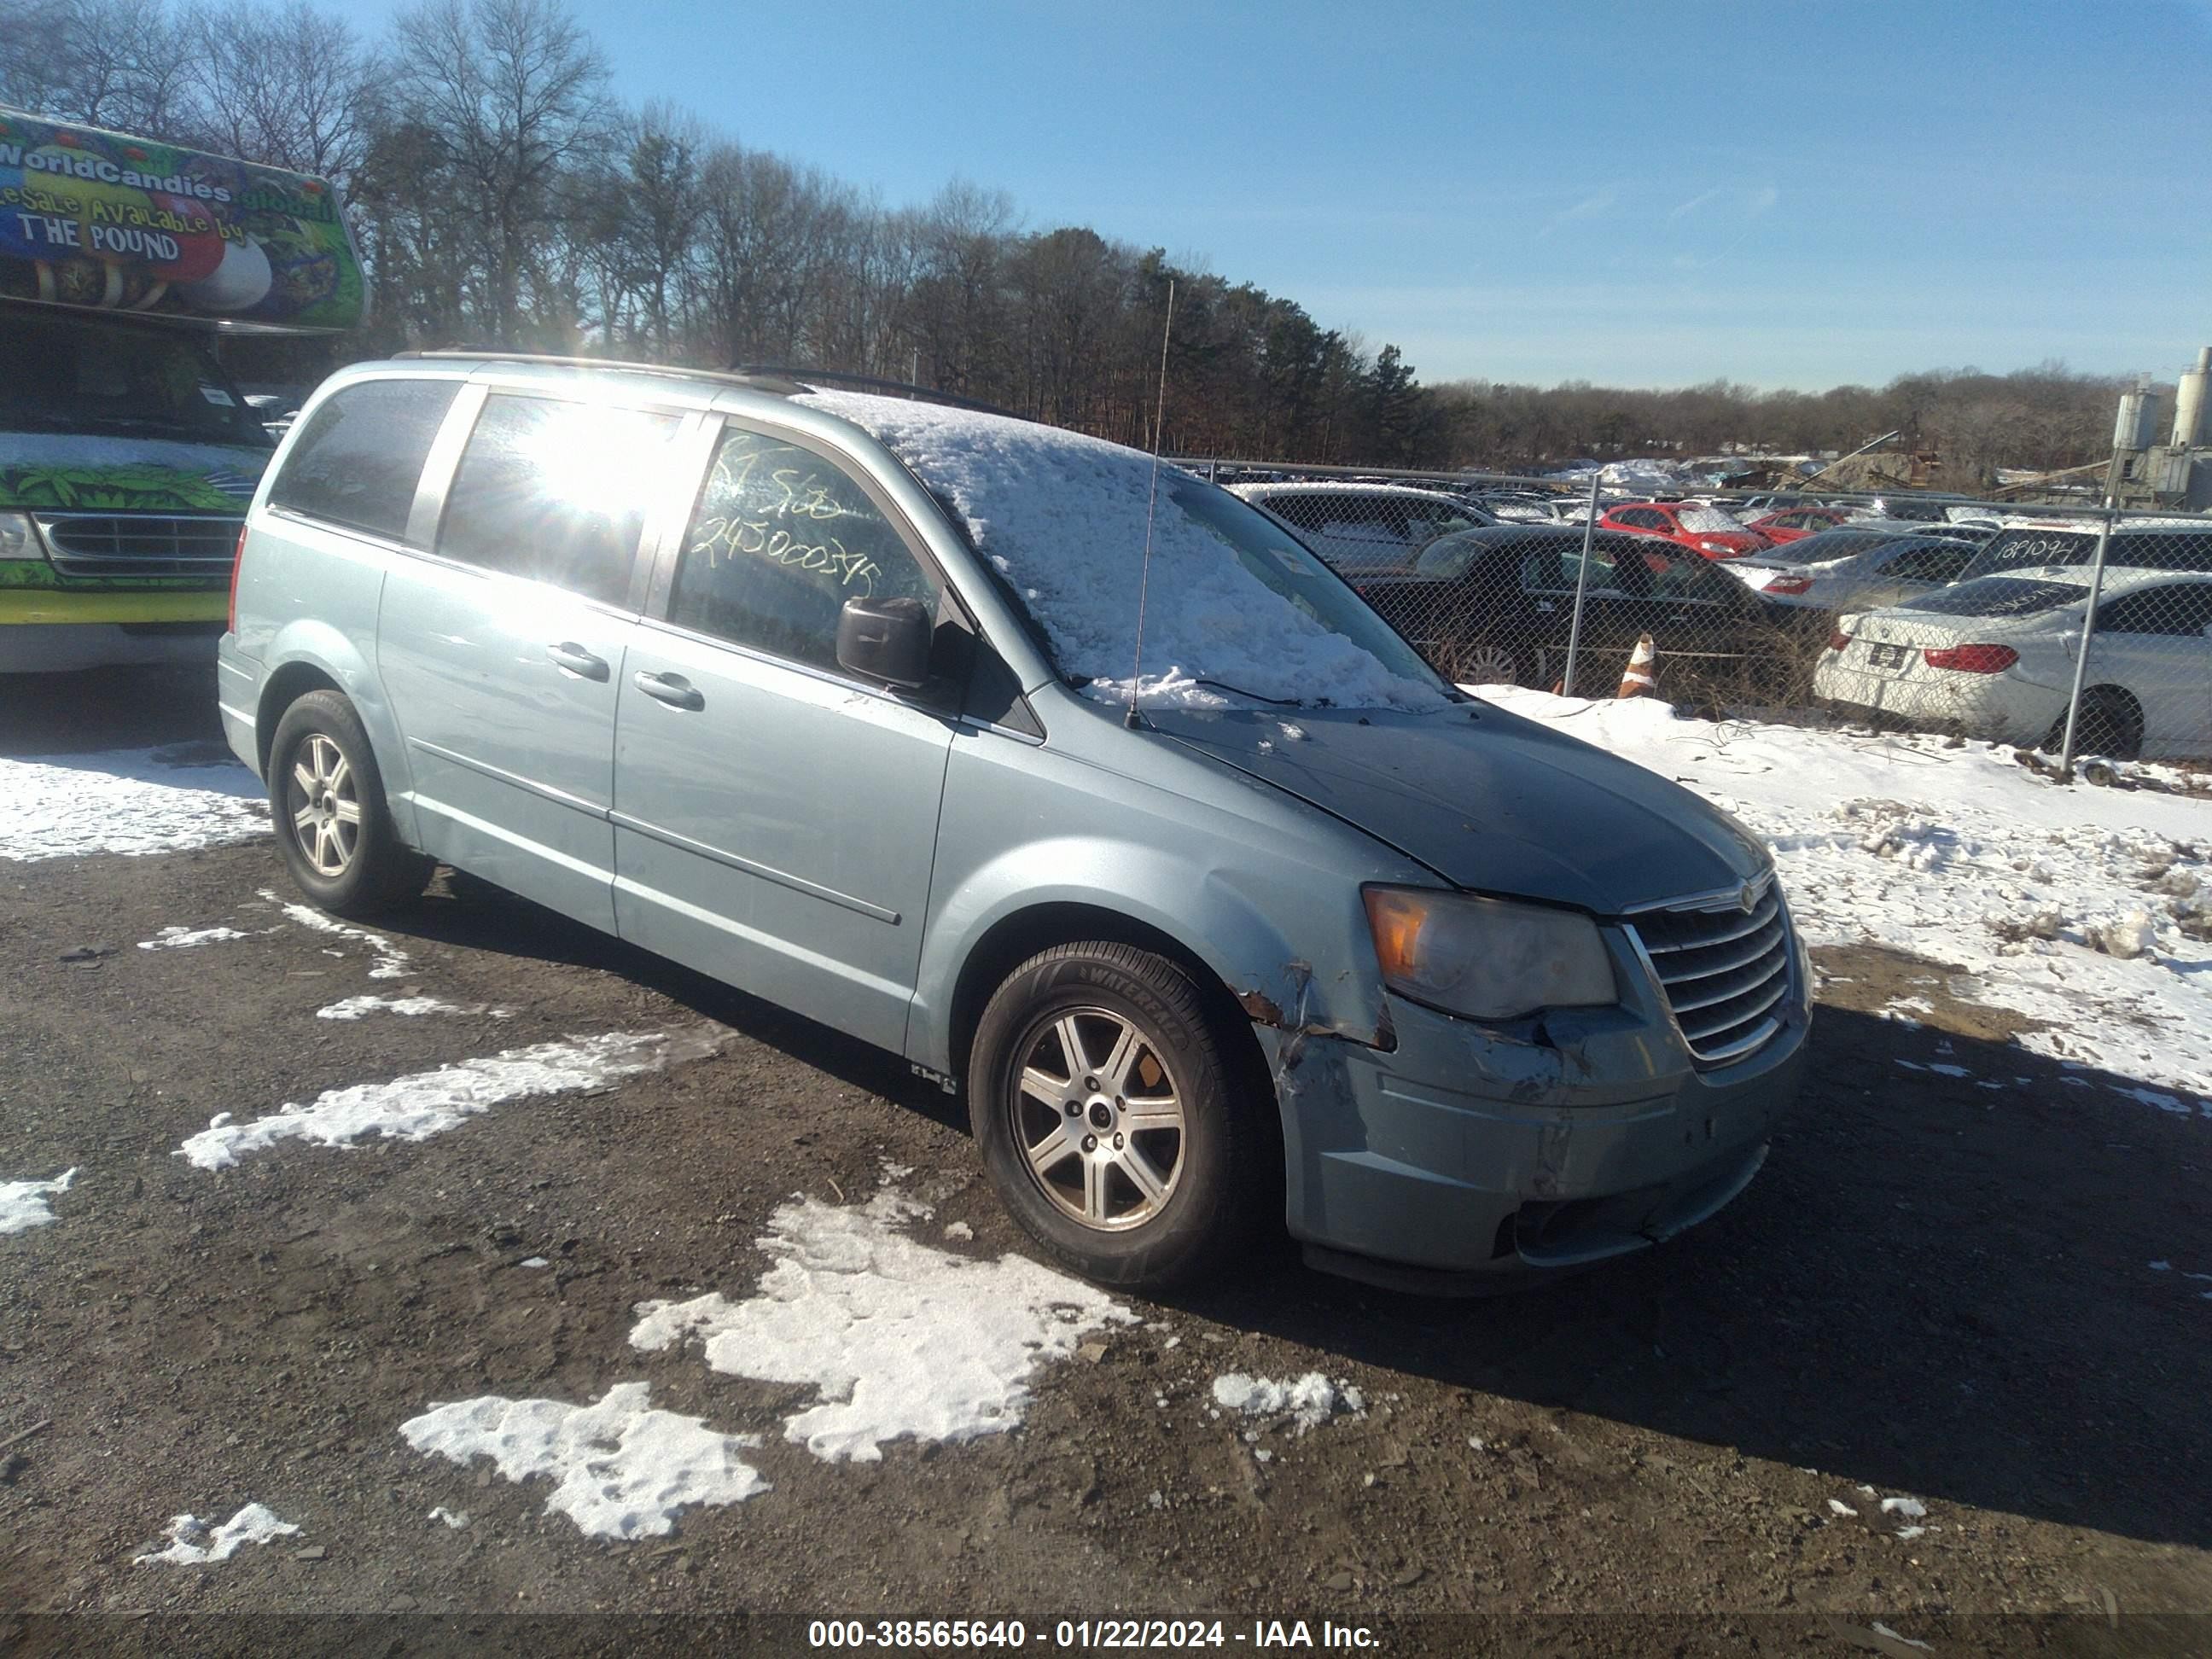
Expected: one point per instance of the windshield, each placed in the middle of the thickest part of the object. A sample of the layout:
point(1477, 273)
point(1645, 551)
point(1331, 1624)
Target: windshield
point(1708, 521)
point(1999, 596)
point(1082, 534)
point(1287, 568)
point(70, 374)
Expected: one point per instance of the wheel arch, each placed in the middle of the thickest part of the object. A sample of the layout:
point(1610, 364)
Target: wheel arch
point(283, 687)
point(1015, 937)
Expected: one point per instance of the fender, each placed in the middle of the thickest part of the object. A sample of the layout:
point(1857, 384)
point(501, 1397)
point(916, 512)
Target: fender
point(1317, 976)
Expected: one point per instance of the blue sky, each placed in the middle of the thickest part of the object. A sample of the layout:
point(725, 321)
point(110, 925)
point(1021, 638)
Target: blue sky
point(1637, 193)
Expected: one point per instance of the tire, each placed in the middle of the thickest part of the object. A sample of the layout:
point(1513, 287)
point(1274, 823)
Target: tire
point(1483, 663)
point(349, 863)
point(2110, 724)
point(1209, 1176)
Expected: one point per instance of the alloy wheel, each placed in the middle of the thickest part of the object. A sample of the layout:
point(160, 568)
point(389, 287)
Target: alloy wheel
point(1098, 1118)
point(325, 811)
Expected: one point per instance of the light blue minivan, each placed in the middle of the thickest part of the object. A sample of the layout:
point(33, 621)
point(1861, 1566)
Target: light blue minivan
point(1072, 779)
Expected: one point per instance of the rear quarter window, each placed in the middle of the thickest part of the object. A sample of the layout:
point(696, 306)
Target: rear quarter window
point(357, 463)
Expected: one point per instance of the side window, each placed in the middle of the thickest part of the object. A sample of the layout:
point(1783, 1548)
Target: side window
point(2186, 552)
point(361, 457)
point(780, 540)
point(1549, 571)
point(556, 492)
point(2177, 612)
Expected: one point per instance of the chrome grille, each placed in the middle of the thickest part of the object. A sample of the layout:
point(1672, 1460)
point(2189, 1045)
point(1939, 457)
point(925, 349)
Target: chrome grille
point(1726, 971)
point(140, 544)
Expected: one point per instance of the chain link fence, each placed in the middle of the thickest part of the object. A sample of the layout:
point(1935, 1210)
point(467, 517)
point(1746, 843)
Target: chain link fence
point(2074, 631)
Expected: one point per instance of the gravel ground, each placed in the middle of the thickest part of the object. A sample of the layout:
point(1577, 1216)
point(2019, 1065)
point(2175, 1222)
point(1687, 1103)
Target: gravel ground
point(1938, 1290)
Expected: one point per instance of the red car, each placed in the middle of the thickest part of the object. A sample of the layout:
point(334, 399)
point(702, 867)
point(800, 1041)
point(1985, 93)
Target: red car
point(1794, 522)
point(1705, 530)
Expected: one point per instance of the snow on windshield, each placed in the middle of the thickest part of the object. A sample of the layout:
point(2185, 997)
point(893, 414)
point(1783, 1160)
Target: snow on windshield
point(1707, 521)
point(1061, 516)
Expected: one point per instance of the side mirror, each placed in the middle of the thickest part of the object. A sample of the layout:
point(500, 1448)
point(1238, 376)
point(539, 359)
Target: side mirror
point(885, 639)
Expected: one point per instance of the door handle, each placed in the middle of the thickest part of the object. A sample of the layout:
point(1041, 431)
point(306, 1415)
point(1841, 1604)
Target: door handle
point(577, 661)
point(671, 688)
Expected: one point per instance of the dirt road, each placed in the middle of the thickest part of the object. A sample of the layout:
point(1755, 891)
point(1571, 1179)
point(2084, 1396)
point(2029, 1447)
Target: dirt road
point(1968, 1282)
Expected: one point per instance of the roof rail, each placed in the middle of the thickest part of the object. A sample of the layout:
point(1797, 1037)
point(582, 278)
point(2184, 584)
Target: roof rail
point(877, 383)
point(755, 379)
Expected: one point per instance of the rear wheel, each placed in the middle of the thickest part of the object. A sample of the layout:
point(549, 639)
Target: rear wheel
point(332, 825)
point(1114, 1124)
point(2110, 724)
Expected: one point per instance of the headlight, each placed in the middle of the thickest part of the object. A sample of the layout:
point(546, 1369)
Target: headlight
point(1484, 957)
point(19, 538)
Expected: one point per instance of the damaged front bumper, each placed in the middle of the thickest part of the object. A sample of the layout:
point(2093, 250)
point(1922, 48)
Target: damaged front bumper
point(1469, 1156)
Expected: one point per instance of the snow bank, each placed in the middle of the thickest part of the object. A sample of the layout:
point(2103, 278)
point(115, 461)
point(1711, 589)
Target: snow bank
point(1062, 517)
point(1310, 1400)
point(900, 1339)
point(619, 1468)
point(192, 1542)
point(2082, 908)
point(425, 1103)
point(23, 1203)
point(133, 801)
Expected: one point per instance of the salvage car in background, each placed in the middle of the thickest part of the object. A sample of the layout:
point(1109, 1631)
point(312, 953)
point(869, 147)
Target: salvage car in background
point(1995, 657)
point(1495, 607)
point(1856, 573)
point(1704, 529)
point(2175, 543)
point(1793, 523)
point(1359, 527)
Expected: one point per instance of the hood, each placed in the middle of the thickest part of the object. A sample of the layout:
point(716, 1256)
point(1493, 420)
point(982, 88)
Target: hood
point(1490, 801)
point(86, 472)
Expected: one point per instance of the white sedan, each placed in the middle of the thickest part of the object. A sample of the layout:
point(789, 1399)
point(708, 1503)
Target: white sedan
point(1994, 657)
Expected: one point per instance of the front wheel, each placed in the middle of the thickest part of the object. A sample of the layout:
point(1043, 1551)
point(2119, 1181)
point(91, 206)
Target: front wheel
point(333, 827)
point(1114, 1124)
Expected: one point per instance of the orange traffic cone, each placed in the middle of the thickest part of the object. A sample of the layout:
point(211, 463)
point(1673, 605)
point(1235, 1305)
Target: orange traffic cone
point(1637, 680)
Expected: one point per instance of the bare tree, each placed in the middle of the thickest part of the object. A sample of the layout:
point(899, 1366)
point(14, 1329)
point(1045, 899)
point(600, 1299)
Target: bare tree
point(115, 64)
point(286, 84)
point(512, 94)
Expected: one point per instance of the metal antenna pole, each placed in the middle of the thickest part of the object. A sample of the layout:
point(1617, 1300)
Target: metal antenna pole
point(1152, 502)
point(1582, 586)
point(2088, 635)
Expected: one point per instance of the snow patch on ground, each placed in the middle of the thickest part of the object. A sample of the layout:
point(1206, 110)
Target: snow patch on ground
point(362, 1007)
point(454, 1519)
point(133, 801)
point(901, 1339)
point(1063, 519)
point(2088, 909)
point(23, 1203)
point(1310, 1400)
point(392, 961)
point(193, 1542)
point(425, 1103)
point(183, 938)
point(619, 1468)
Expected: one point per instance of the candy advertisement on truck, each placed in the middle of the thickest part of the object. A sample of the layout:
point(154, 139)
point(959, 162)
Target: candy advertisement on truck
point(111, 223)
